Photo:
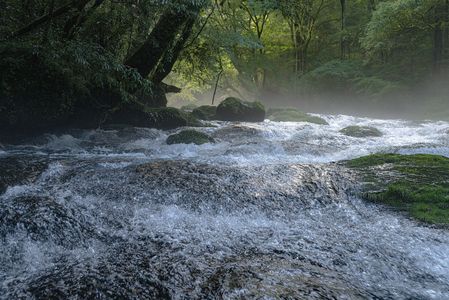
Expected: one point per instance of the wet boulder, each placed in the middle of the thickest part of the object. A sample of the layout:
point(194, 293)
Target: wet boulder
point(160, 118)
point(361, 131)
point(293, 115)
point(234, 109)
point(189, 107)
point(189, 137)
point(205, 112)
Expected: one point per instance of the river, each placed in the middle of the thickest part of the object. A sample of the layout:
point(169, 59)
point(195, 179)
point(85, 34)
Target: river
point(265, 213)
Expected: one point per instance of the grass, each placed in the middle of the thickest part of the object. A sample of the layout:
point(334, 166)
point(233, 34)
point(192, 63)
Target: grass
point(417, 184)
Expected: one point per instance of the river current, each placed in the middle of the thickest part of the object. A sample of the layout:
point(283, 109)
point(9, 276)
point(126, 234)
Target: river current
point(264, 213)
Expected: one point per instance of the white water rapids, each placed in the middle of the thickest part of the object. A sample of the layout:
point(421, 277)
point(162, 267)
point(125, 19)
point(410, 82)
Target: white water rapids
point(264, 213)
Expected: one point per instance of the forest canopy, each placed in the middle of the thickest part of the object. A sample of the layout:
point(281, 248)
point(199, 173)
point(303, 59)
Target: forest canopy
point(63, 58)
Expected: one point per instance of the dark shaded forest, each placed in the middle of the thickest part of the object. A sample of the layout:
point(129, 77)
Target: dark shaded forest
point(82, 63)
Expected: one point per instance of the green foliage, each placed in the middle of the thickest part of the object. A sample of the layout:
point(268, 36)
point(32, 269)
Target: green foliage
point(398, 23)
point(260, 49)
point(334, 76)
point(421, 187)
point(49, 83)
point(189, 137)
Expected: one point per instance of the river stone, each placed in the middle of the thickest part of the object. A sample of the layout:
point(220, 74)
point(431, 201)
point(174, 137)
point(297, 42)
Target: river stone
point(161, 118)
point(293, 115)
point(205, 112)
point(189, 137)
point(188, 107)
point(361, 131)
point(234, 109)
point(237, 132)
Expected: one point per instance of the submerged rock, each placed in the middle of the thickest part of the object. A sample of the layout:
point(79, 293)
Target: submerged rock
point(205, 112)
point(293, 115)
point(43, 219)
point(361, 131)
point(20, 170)
point(233, 109)
point(189, 137)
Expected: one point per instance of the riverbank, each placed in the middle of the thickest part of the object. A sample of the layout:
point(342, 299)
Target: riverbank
point(415, 184)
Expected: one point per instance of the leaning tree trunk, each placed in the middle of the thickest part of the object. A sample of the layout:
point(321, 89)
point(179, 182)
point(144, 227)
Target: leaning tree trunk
point(76, 21)
point(170, 57)
point(48, 17)
point(155, 58)
point(439, 39)
point(146, 59)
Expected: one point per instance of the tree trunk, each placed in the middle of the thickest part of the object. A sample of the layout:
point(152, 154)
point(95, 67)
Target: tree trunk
point(170, 57)
point(44, 19)
point(343, 41)
point(371, 5)
point(49, 25)
point(439, 39)
point(78, 19)
point(146, 59)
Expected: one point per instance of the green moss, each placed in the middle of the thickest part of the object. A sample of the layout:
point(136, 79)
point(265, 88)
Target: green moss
point(189, 137)
point(420, 186)
point(418, 161)
point(361, 131)
point(293, 115)
point(205, 112)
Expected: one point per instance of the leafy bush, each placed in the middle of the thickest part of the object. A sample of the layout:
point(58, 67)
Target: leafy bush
point(46, 85)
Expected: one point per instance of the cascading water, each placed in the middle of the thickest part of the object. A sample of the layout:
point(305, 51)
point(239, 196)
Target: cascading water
point(263, 213)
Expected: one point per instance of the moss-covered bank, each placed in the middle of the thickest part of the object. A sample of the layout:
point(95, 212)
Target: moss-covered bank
point(416, 184)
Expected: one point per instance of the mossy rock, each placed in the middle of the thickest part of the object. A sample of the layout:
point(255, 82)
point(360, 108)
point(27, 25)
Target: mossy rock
point(361, 131)
point(160, 118)
point(293, 115)
point(205, 112)
point(234, 109)
point(189, 107)
point(189, 137)
point(417, 184)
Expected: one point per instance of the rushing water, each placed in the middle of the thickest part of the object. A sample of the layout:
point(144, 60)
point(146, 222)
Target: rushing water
point(263, 213)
